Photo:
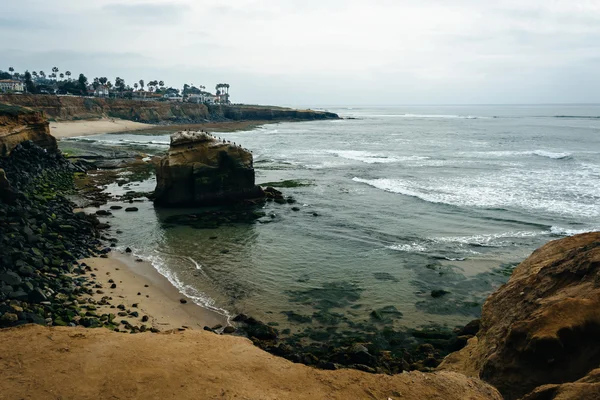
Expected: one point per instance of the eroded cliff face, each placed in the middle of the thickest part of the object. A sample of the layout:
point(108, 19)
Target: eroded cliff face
point(542, 327)
point(200, 170)
point(67, 108)
point(19, 124)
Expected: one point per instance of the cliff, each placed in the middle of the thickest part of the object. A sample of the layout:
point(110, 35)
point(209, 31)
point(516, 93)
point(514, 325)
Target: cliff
point(19, 124)
point(542, 327)
point(200, 170)
point(67, 108)
point(74, 363)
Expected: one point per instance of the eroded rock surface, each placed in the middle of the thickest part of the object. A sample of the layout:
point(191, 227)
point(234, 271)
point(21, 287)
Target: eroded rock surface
point(20, 124)
point(201, 170)
point(193, 365)
point(543, 326)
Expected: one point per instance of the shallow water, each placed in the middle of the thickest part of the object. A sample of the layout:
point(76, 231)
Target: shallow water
point(409, 200)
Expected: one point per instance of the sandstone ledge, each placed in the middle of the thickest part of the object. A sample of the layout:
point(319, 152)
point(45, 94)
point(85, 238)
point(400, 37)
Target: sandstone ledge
point(73, 363)
point(542, 327)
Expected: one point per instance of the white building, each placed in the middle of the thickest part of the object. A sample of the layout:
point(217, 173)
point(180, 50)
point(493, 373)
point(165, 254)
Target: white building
point(10, 85)
point(102, 91)
point(201, 98)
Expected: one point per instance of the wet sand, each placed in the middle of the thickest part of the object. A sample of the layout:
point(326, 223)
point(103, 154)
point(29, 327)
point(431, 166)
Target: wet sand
point(138, 283)
point(68, 129)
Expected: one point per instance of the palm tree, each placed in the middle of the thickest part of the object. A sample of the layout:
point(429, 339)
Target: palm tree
point(68, 74)
point(42, 74)
point(11, 69)
point(35, 74)
point(135, 85)
point(142, 84)
point(62, 76)
point(55, 71)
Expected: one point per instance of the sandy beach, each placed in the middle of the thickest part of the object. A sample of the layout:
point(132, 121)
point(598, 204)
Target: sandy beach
point(68, 129)
point(139, 287)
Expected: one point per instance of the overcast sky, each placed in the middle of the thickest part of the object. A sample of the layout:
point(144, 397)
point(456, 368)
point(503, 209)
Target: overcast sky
point(321, 52)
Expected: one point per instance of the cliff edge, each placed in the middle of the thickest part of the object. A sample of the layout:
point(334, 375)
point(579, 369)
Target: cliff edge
point(71, 108)
point(19, 124)
point(75, 363)
point(542, 327)
point(200, 170)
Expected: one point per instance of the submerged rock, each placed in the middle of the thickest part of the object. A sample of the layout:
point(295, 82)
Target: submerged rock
point(200, 170)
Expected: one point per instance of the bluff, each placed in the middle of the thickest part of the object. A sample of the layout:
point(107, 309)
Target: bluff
point(20, 124)
point(539, 334)
point(68, 108)
point(200, 170)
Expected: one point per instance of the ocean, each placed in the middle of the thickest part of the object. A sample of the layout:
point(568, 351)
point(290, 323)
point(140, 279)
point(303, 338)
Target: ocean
point(413, 213)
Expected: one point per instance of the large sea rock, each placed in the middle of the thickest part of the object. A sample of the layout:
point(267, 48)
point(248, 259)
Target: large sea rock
point(200, 170)
point(20, 124)
point(540, 333)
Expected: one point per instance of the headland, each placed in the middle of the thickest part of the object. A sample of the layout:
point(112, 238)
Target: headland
point(535, 340)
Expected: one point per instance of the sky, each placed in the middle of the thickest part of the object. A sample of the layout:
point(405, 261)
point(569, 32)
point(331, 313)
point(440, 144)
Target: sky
point(321, 52)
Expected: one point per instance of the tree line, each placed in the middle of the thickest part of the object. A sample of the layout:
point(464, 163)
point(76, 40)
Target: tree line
point(38, 82)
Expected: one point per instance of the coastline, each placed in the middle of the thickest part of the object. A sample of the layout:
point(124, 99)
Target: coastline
point(140, 284)
point(67, 129)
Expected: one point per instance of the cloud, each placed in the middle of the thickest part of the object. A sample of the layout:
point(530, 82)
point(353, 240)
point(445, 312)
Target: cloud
point(147, 13)
point(323, 51)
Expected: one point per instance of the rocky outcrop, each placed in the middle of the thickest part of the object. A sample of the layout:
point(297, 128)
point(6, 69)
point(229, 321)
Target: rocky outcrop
point(19, 124)
point(68, 108)
point(200, 170)
point(542, 327)
point(193, 365)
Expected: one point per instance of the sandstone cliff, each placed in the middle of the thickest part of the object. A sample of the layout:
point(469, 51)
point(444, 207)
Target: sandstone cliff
point(542, 327)
point(18, 124)
point(200, 170)
point(74, 363)
point(67, 108)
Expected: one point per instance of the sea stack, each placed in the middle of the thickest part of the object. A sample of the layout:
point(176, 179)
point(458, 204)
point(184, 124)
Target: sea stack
point(200, 170)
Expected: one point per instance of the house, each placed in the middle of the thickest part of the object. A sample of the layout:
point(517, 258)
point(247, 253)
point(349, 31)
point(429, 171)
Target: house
point(102, 91)
point(11, 85)
point(173, 97)
point(201, 98)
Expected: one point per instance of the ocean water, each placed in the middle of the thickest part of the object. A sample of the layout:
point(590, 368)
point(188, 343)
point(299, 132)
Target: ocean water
point(409, 200)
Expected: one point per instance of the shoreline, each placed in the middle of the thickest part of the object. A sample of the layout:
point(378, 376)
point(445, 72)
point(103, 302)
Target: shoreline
point(140, 284)
point(69, 129)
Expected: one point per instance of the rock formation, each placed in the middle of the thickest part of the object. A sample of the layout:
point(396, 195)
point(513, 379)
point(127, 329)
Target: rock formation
point(19, 124)
point(200, 170)
point(542, 327)
point(193, 365)
point(68, 108)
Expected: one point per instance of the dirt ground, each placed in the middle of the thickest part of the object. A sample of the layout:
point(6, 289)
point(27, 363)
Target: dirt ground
point(76, 363)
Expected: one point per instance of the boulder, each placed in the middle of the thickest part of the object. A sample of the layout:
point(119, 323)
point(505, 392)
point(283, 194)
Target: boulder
point(200, 170)
point(542, 327)
point(20, 124)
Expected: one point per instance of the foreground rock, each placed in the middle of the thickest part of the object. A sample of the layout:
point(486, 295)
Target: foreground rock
point(19, 124)
point(200, 170)
point(542, 327)
point(40, 240)
point(193, 365)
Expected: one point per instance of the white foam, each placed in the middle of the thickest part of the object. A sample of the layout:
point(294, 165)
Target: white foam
point(363, 156)
point(559, 231)
point(540, 153)
point(194, 294)
point(429, 116)
point(409, 248)
point(514, 188)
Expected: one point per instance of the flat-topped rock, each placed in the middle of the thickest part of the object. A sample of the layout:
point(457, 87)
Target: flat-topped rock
point(201, 170)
